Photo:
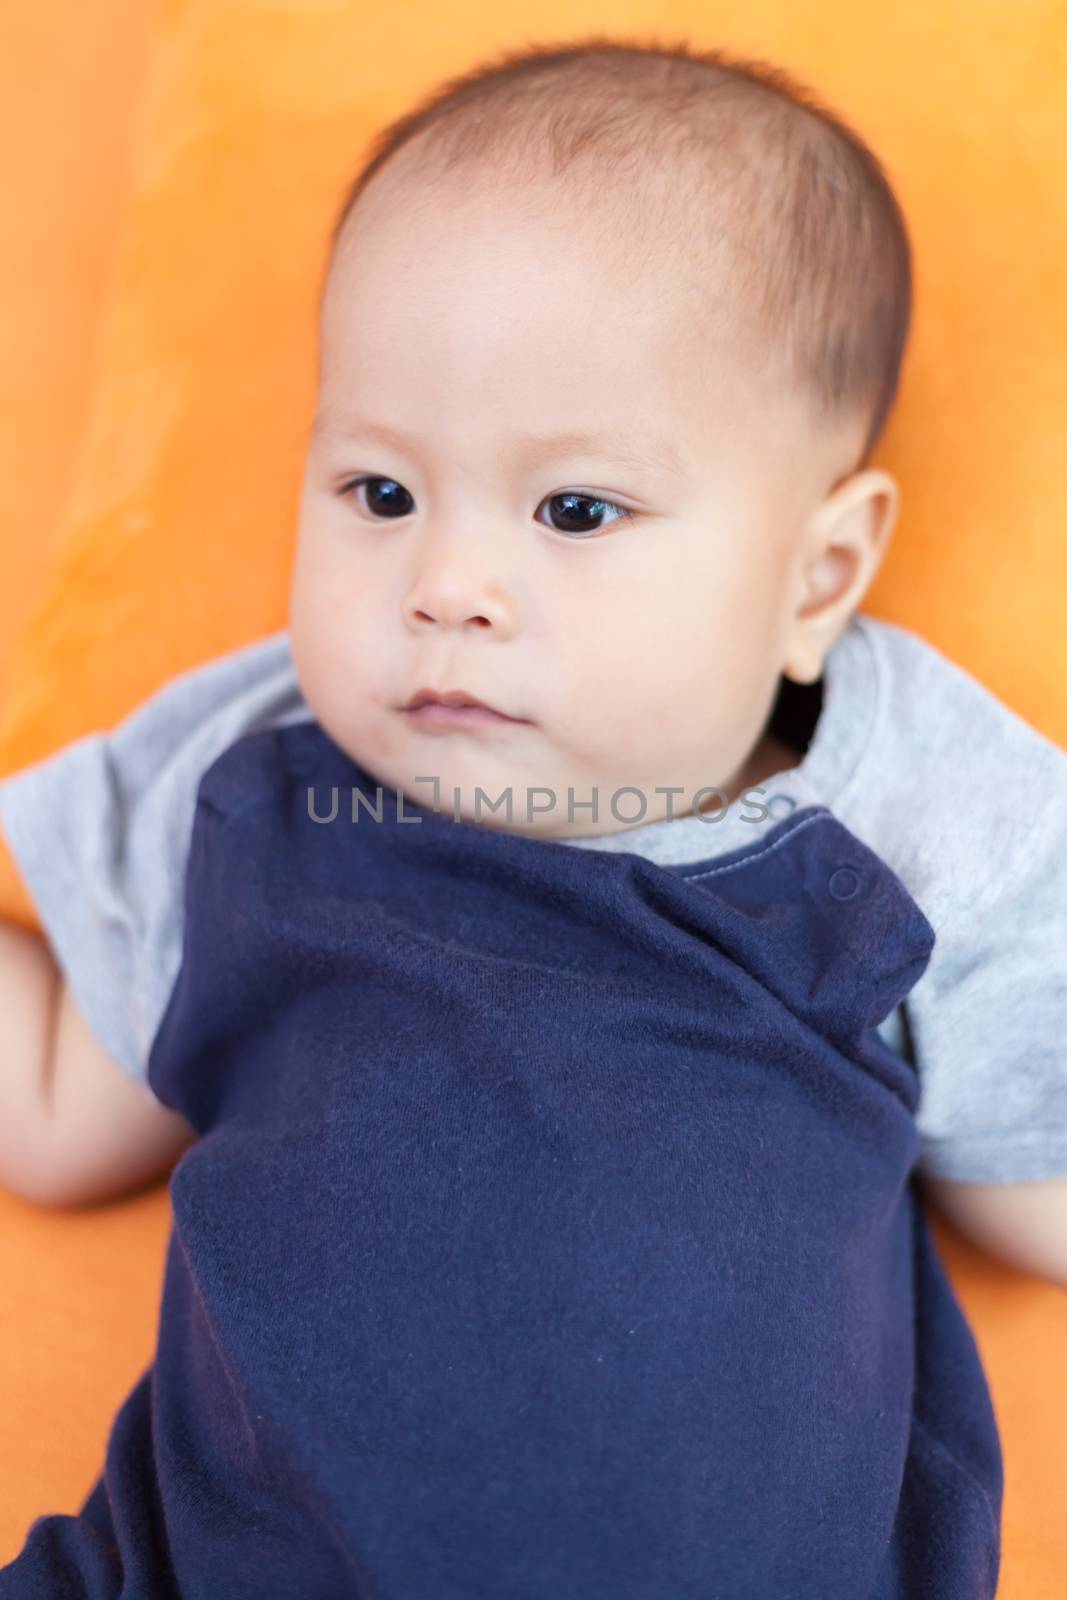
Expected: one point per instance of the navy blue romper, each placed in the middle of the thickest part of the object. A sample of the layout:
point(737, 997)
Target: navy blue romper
point(551, 1232)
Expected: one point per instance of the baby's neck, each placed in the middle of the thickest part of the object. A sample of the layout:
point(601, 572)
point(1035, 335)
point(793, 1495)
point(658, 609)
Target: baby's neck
point(771, 756)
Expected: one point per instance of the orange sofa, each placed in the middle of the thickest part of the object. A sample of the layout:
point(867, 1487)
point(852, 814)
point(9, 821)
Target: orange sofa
point(172, 170)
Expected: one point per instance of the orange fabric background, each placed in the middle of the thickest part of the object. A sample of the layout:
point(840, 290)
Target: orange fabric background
point(174, 168)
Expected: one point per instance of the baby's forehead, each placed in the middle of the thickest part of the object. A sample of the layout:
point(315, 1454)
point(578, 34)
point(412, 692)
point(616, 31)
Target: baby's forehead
point(660, 254)
point(633, 254)
point(678, 222)
point(650, 341)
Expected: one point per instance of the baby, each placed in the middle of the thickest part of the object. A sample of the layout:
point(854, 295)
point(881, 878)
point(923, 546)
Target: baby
point(553, 965)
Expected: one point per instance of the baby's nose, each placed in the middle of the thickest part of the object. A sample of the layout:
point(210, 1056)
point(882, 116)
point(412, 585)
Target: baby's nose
point(457, 600)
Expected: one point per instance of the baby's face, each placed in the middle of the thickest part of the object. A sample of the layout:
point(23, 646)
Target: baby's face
point(577, 511)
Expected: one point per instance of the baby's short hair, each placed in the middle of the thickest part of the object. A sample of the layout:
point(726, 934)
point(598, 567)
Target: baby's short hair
point(819, 246)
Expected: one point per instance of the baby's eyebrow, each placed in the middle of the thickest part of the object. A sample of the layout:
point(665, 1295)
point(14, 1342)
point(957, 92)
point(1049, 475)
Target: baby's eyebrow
point(656, 454)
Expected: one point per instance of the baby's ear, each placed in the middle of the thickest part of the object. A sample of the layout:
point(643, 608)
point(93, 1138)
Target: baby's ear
point(863, 506)
point(830, 585)
point(844, 542)
point(884, 497)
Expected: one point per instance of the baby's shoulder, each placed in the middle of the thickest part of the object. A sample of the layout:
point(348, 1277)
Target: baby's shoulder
point(107, 874)
point(957, 791)
point(938, 723)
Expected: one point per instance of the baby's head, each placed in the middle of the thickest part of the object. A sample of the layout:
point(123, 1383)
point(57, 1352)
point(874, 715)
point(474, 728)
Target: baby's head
point(609, 334)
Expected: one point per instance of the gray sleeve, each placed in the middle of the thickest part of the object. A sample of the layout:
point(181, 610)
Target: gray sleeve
point(100, 831)
point(988, 1019)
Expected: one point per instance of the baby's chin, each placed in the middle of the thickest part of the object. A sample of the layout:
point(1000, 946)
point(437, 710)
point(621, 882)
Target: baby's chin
point(510, 783)
point(514, 778)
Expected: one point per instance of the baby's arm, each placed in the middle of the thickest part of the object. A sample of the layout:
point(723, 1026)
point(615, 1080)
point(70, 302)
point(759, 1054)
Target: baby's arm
point(1024, 1224)
point(100, 832)
point(989, 1016)
point(75, 1127)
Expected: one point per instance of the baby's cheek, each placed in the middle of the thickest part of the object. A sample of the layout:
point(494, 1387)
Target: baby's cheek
point(386, 737)
point(621, 740)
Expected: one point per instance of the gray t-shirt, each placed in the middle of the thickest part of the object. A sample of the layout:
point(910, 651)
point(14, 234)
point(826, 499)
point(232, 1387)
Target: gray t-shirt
point(961, 797)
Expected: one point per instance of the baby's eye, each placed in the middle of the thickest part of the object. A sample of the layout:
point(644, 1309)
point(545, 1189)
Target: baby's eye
point(574, 508)
point(385, 497)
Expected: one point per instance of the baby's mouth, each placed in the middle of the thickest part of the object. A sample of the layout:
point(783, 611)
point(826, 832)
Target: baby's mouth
point(455, 709)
